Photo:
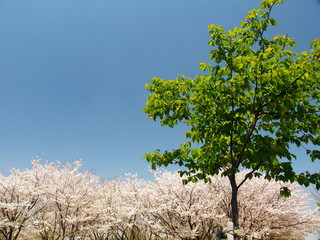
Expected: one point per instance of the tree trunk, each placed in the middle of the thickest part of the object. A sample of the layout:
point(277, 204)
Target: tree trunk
point(234, 202)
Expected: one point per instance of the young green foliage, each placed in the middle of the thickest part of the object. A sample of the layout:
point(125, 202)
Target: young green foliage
point(257, 99)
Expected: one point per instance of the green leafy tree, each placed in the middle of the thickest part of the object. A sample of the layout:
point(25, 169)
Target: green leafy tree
point(257, 99)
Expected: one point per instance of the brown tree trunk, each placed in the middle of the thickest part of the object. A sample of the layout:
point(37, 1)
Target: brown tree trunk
point(234, 202)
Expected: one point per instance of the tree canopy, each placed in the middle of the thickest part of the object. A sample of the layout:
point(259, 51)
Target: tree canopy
point(255, 100)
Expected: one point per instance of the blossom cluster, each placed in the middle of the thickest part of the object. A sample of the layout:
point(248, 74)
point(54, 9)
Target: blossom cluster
point(52, 201)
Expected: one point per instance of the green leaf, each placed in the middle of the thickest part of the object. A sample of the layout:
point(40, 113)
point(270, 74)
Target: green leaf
point(272, 22)
point(285, 192)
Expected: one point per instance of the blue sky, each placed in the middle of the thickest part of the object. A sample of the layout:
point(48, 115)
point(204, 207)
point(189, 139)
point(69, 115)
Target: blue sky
point(72, 73)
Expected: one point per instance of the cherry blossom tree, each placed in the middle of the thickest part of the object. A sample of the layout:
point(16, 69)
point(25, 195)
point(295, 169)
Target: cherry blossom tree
point(183, 211)
point(53, 201)
point(20, 194)
point(123, 211)
point(267, 215)
point(194, 210)
point(69, 202)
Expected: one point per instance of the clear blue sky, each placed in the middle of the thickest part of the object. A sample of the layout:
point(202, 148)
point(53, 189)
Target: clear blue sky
point(72, 73)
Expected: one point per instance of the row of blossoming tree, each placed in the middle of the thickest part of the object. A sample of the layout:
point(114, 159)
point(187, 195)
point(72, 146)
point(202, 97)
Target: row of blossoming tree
point(52, 201)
